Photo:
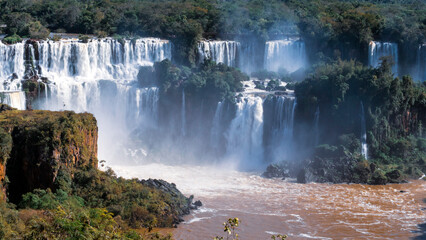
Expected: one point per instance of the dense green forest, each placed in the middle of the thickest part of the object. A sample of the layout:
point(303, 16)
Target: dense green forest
point(331, 29)
point(395, 115)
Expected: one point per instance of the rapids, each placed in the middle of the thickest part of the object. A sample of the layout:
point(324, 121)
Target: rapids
point(302, 211)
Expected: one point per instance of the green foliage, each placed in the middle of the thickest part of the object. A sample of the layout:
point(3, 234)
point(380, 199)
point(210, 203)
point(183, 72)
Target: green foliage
point(38, 31)
point(84, 38)
point(333, 29)
point(5, 146)
point(137, 204)
point(12, 39)
point(210, 80)
point(393, 110)
point(230, 227)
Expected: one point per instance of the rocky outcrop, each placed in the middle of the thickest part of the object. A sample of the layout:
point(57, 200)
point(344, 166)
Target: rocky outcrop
point(180, 204)
point(42, 143)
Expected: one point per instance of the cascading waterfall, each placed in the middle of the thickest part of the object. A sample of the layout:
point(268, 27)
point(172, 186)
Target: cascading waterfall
point(245, 134)
point(219, 51)
point(285, 54)
point(364, 148)
point(12, 67)
point(100, 59)
point(101, 77)
point(248, 57)
point(381, 49)
point(183, 114)
point(316, 125)
point(283, 123)
point(421, 63)
point(15, 99)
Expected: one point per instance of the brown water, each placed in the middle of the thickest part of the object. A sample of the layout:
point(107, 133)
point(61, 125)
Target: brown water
point(302, 211)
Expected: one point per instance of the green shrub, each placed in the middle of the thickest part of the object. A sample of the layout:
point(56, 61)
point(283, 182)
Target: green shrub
point(12, 39)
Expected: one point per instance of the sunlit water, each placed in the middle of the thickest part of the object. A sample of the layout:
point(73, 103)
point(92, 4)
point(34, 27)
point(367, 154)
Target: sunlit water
point(302, 211)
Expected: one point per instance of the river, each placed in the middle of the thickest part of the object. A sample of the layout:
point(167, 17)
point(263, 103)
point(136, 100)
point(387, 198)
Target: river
point(302, 211)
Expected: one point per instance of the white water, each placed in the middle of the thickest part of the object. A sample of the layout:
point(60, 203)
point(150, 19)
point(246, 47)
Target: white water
point(11, 62)
point(219, 51)
point(245, 134)
point(381, 49)
point(216, 131)
point(106, 59)
point(15, 99)
point(282, 134)
point(100, 77)
point(289, 55)
point(302, 211)
point(364, 148)
point(248, 57)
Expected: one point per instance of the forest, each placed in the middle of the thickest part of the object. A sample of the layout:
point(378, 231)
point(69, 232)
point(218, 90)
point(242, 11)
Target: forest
point(333, 29)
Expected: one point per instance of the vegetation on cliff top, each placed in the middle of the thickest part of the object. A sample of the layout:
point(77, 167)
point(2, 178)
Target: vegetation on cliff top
point(332, 29)
point(49, 170)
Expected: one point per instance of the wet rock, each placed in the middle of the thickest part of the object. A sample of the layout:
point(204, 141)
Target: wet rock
point(276, 171)
point(198, 203)
point(394, 176)
point(146, 76)
point(379, 178)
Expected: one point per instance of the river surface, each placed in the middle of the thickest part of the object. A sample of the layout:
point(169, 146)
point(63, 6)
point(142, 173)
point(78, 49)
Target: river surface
point(302, 211)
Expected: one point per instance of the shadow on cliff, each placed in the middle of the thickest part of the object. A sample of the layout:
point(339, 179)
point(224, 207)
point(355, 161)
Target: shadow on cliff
point(421, 228)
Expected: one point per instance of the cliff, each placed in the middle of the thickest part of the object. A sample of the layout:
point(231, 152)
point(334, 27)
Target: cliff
point(35, 145)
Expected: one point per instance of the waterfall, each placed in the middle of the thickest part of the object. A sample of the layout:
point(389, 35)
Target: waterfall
point(100, 77)
point(421, 63)
point(216, 131)
point(316, 125)
point(12, 66)
point(285, 54)
point(381, 49)
point(219, 51)
point(15, 99)
point(248, 57)
point(245, 134)
point(183, 114)
point(282, 128)
point(100, 59)
point(364, 148)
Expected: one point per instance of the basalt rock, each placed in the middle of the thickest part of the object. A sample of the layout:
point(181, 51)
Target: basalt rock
point(180, 204)
point(42, 143)
point(276, 171)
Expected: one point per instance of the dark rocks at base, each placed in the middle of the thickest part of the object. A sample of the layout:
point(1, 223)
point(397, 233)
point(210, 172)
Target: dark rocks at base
point(277, 171)
point(4, 107)
point(198, 203)
point(182, 204)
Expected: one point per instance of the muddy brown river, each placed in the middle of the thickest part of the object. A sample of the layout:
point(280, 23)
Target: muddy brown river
point(302, 211)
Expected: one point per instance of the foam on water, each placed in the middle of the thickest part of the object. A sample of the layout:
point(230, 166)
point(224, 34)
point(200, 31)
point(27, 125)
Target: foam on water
point(298, 210)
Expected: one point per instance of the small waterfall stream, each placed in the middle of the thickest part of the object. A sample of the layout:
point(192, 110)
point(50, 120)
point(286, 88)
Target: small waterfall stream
point(364, 148)
point(378, 50)
point(219, 51)
point(289, 55)
point(245, 133)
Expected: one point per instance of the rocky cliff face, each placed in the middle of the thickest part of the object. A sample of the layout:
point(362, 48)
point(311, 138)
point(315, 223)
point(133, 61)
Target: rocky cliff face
point(35, 145)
